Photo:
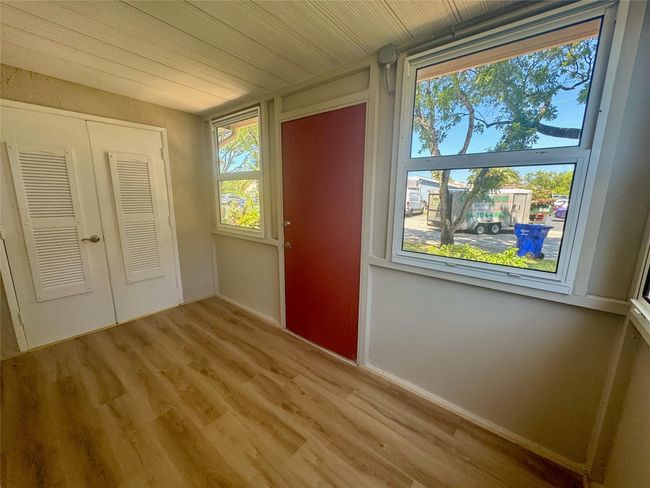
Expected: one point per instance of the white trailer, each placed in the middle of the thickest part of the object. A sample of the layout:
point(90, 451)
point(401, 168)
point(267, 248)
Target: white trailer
point(502, 209)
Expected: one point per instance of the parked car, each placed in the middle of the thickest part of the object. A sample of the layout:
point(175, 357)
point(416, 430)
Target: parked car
point(413, 203)
point(559, 202)
point(560, 211)
point(560, 207)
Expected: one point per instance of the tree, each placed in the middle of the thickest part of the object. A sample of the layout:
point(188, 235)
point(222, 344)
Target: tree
point(545, 184)
point(516, 96)
point(238, 150)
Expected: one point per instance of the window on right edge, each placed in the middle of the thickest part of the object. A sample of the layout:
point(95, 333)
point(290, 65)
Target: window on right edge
point(494, 150)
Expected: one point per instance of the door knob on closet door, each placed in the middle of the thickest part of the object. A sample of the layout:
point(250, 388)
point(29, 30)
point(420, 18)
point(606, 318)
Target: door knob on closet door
point(93, 238)
point(287, 245)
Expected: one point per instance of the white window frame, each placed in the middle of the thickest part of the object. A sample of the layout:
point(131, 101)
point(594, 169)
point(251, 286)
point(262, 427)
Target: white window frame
point(238, 175)
point(640, 311)
point(562, 280)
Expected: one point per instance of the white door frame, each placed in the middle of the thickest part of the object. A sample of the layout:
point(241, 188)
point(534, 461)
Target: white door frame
point(10, 293)
point(14, 306)
point(368, 97)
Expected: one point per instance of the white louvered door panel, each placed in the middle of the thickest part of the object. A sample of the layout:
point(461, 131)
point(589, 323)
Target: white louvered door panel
point(134, 204)
point(133, 190)
point(48, 201)
point(49, 204)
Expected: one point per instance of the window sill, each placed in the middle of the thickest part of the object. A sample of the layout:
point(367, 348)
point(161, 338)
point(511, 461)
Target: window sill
point(476, 270)
point(593, 302)
point(246, 237)
point(640, 315)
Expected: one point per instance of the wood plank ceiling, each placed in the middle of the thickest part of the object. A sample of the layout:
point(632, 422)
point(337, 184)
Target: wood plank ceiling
point(198, 55)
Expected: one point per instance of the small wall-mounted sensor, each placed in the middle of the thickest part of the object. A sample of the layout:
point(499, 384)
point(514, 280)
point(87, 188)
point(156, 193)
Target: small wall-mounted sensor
point(387, 56)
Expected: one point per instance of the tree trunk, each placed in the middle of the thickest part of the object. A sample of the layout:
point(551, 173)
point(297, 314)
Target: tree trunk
point(447, 225)
point(446, 203)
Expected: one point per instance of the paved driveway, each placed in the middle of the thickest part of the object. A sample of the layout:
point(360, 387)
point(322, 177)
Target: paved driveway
point(417, 230)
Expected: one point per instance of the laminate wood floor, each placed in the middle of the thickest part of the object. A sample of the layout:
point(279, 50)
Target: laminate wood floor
point(206, 395)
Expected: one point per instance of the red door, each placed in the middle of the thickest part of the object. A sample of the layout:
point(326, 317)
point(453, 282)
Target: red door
point(322, 175)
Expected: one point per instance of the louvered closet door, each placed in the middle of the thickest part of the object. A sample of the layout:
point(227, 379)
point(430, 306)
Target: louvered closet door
point(134, 205)
point(49, 205)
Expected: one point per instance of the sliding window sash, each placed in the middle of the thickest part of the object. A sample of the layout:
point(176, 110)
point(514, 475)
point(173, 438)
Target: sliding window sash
point(562, 280)
point(258, 175)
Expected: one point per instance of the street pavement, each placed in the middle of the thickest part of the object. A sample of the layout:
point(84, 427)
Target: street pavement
point(417, 230)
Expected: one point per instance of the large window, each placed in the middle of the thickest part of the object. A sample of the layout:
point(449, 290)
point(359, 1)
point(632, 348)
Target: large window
point(494, 147)
point(237, 166)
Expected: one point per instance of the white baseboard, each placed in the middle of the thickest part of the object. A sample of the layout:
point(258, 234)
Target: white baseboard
point(263, 317)
point(187, 301)
point(527, 444)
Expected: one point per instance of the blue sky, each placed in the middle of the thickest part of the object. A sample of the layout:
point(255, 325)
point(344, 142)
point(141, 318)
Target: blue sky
point(569, 114)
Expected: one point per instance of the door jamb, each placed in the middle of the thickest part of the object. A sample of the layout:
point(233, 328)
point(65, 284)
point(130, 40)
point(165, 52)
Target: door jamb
point(12, 298)
point(172, 213)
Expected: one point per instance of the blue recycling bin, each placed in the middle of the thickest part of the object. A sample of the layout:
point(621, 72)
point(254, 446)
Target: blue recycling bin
point(530, 239)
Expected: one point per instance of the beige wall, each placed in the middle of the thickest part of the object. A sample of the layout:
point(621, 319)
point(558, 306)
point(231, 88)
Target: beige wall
point(248, 271)
point(534, 368)
point(191, 175)
point(248, 274)
point(629, 465)
point(624, 218)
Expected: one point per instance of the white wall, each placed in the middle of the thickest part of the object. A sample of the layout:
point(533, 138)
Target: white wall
point(534, 368)
point(629, 465)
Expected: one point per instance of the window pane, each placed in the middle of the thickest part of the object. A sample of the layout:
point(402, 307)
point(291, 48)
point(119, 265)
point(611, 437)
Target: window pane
point(510, 216)
point(528, 94)
point(239, 203)
point(238, 146)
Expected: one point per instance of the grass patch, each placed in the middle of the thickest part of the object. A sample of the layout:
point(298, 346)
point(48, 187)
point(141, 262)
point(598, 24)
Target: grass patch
point(465, 251)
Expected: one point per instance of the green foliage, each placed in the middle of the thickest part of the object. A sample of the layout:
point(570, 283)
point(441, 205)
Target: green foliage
point(545, 184)
point(238, 149)
point(515, 95)
point(487, 181)
point(465, 251)
point(492, 179)
point(240, 203)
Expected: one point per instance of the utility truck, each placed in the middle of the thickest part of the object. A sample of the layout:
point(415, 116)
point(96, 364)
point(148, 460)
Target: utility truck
point(501, 209)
